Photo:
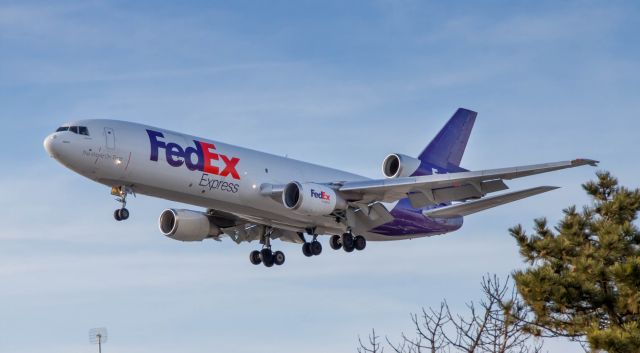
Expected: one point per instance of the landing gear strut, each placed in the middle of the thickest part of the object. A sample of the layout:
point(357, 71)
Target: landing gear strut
point(348, 242)
point(266, 256)
point(121, 193)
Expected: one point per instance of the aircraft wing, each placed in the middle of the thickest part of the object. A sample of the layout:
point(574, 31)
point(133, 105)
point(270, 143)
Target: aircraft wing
point(438, 188)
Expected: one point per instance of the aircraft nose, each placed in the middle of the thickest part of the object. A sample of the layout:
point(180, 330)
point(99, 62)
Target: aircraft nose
point(50, 145)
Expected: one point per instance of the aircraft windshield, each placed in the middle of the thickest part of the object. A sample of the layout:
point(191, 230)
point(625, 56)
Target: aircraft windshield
point(80, 130)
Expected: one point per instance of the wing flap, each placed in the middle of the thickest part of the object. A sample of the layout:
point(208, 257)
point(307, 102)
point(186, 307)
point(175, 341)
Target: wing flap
point(420, 198)
point(467, 208)
point(367, 218)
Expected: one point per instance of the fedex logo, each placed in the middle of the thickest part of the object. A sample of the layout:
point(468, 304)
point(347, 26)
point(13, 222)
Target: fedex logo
point(320, 195)
point(199, 157)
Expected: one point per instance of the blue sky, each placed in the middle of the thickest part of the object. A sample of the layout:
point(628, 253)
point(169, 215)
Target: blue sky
point(332, 82)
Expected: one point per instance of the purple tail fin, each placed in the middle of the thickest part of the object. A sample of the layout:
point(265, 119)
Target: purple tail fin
point(447, 148)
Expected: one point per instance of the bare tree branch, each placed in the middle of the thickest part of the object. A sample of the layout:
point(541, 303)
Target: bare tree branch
point(373, 345)
point(498, 323)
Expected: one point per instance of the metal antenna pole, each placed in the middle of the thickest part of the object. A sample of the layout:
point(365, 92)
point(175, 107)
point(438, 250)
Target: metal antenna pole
point(98, 336)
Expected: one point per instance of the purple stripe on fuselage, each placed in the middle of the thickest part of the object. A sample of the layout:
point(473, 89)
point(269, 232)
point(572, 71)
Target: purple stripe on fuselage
point(408, 220)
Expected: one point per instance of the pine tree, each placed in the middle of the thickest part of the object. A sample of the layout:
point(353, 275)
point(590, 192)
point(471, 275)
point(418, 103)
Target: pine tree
point(583, 279)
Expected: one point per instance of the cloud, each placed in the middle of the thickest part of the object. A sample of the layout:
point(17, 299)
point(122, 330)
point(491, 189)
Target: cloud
point(526, 26)
point(80, 38)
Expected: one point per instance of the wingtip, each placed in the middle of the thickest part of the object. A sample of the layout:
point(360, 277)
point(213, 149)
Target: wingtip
point(585, 161)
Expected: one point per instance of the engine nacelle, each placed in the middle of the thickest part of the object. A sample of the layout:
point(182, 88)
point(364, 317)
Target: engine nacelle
point(187, 225)
point(311, 199)
point(398, 165)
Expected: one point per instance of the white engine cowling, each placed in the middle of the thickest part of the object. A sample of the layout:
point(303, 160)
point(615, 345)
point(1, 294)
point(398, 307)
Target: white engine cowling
point(311, 199)
point(398, 165)
point(187, 225)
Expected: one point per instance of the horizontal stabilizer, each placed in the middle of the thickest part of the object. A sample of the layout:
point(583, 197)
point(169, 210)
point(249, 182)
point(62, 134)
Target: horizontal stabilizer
point(467, 208)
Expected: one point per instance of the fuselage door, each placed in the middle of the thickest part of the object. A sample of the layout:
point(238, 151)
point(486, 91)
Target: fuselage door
point(110, 137)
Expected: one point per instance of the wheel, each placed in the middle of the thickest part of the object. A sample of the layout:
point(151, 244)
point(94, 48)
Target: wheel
point(116, 215)
point(254, 257)
point(347, 240)
point(266, 256)
point(348, 248)
point(316, 248)
point(334, 242)
point(306, 249)
point(278, 258)
point(360, 243)
point(124, 214)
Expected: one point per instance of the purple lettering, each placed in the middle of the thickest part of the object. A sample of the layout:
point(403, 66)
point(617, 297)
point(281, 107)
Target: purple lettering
point(155, 144)
point(175, 154)
point(188, 157)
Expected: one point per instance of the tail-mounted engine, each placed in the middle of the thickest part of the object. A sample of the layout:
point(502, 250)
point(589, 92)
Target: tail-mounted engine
point(398, 165)
point(312, 199)
point(186, 225)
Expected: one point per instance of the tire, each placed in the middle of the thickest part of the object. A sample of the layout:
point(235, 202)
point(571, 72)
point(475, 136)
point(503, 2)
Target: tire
point(278, 258)
point(254, 257)
point(268, 263)
point(347, 240)
point(116, 215)
point(124, 214)
point(335, 243)
point(316, 248)
point(306, 249)
point(360, 243)
point(266, 256)
point(348, 248)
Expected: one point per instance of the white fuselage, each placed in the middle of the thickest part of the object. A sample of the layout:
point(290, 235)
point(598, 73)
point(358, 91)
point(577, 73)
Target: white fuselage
point(118, 153)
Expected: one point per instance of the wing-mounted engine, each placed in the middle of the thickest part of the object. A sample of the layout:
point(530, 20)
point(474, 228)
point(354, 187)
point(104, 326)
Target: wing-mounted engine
point(187, 225)
point(398, 165)
point(312, 199)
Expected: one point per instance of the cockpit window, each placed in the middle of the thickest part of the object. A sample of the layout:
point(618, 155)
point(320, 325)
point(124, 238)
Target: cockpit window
point(80, 130)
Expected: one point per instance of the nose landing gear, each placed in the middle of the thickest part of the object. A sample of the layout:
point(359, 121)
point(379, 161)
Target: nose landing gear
point(121, 193)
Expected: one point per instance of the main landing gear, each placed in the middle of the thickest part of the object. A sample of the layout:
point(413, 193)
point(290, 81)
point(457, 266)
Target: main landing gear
point(348, 242)
point(121, 193)
point(266, 256)
point(313, 248)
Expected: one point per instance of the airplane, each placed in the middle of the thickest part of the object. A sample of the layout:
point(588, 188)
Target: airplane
point(249, 195)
